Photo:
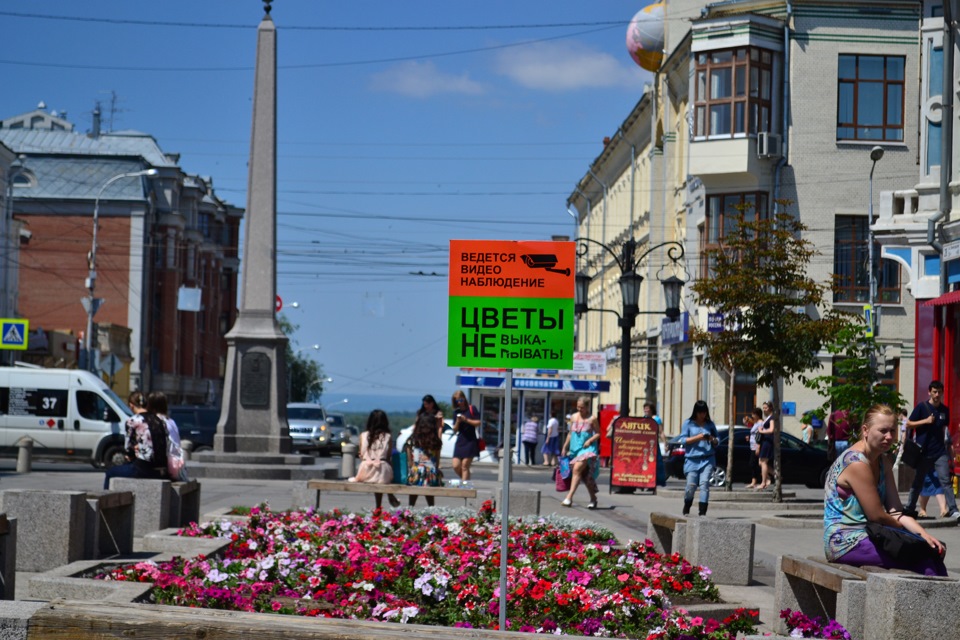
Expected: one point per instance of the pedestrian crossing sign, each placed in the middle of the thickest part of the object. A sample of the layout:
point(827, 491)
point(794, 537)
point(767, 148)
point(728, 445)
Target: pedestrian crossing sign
point(13, 333)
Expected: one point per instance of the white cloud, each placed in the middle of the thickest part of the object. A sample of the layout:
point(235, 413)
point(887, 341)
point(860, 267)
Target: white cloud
point(423, 80)
point(567, 66)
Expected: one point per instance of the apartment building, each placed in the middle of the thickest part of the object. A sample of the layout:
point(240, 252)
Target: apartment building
point(758, 101)
point(166, 253)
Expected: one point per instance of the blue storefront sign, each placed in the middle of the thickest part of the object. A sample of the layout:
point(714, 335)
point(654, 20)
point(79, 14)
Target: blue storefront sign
point(715, 322)
point(675, 331)
point(551, 384)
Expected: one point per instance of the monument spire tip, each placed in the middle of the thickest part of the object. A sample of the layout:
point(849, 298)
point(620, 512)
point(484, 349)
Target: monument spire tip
point(266, 6)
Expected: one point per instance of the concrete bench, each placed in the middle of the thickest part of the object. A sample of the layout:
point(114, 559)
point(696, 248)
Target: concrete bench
point(109, 524)
point(159, 504)
point(870, 602)
point(665, 530)
point(51, 526)
point(725, 545)
point(8, 557)
point(316, 487)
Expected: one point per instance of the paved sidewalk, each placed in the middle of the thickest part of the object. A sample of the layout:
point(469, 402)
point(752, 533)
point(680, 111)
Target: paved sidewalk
point(623, 514)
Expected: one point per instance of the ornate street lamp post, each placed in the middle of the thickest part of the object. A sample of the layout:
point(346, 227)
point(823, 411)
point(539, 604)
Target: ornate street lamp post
point(630, 282)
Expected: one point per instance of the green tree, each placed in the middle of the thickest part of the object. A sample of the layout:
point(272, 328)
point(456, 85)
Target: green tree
point(854, 383)
point(772, 319)
point(305, 376)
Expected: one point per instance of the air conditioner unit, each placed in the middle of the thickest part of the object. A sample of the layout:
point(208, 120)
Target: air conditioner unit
point(768, 145)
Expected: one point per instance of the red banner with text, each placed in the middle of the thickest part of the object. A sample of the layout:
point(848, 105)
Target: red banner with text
point(635, 442)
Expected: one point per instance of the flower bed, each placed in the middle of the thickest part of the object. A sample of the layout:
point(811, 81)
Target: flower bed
point(403, 566)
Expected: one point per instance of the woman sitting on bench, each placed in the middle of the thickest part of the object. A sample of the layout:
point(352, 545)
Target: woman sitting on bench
point(860, 489)
point(376, 447)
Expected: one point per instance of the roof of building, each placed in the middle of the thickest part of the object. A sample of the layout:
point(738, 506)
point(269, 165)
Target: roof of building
point(81, 178)
point(120, 143)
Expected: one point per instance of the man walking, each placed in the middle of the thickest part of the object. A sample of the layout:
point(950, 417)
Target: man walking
point(930, 419)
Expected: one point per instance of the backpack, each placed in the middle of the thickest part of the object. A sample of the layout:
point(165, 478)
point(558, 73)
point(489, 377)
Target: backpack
point(159, 438)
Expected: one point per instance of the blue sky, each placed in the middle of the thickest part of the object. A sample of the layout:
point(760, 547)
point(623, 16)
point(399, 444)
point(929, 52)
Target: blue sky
point(398, 129)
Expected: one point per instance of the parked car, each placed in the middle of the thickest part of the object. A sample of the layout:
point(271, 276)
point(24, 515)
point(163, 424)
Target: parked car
point(800, 463)
point(197, 425)
point(309, 430)
point(449, 439)
point(68, 413)
point(339, 433)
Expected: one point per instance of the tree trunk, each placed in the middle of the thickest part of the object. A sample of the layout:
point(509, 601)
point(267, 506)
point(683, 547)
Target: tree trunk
point(777, 428)
point(731, 428)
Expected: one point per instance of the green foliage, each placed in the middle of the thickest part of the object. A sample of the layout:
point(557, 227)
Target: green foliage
point(771, 308)
point(304, 374)
point(854, 383)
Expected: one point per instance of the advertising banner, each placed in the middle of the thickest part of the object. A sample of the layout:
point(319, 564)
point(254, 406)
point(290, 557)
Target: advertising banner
point(635, 442)
point(511, 304)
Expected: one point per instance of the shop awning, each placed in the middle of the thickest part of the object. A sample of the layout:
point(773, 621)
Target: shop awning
point(952, 297)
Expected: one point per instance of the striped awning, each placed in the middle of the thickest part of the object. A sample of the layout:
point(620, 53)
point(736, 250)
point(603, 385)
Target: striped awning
point(951, 297)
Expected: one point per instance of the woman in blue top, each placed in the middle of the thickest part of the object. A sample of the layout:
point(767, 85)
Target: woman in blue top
point(583, 445)
point(860, 488)
point(699, 439)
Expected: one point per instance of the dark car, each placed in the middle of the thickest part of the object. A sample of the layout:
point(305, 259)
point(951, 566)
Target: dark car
point(197, 425)
point(801, 463)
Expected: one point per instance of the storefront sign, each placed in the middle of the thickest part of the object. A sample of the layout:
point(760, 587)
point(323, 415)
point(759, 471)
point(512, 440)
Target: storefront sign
point(675, 331)
point(543, 384)
point(715, 322)
point(511, 304)
point(635, 442)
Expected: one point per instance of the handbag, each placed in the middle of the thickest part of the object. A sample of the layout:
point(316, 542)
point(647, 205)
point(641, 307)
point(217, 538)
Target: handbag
point(564, 467)
point(912, 453)
point(758, 437)
point(900, 544)
point(562, 483)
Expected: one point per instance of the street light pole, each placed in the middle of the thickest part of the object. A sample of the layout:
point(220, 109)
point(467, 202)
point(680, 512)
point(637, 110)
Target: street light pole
point(630, 282)
point(16, 168)
point(875, 154)
point(92, 304)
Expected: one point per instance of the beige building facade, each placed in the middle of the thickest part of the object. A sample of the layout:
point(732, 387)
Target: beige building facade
point(756, 103)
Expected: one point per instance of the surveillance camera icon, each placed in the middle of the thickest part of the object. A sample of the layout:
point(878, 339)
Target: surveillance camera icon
point(545, 261)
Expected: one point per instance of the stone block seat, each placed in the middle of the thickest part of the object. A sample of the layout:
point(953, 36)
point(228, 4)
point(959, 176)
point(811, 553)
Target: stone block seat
point(159, 504)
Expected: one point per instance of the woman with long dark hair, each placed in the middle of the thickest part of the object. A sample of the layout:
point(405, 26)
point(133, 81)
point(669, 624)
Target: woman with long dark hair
point(699, 439)
point(376, 446)
point(422, 450)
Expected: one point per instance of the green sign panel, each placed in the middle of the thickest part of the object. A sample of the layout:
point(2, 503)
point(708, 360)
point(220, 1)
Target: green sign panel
point(511, 304)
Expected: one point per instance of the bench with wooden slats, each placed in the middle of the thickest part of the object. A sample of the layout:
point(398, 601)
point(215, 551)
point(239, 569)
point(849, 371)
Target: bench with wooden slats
point(395, 489)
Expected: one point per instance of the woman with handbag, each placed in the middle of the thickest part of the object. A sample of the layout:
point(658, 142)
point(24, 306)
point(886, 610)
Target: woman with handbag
point(583, 445)
point(863, 516)
point(422, 451)
point(765, 442)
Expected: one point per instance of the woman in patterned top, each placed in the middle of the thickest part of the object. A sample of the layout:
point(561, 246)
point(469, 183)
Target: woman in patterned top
point(423, 456)
point(860, 489)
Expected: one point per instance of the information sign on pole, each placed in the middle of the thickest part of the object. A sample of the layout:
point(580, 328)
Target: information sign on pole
point(635, 443)
point(511, 304)
point(13, 333)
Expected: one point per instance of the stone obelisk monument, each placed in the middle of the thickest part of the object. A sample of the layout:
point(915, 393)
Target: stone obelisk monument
point(253, 418)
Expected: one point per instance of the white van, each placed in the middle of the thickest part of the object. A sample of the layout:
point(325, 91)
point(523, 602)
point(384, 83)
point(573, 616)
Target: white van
point(69, 414)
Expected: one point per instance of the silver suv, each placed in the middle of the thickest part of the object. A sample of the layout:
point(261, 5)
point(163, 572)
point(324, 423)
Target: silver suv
point(309, 429)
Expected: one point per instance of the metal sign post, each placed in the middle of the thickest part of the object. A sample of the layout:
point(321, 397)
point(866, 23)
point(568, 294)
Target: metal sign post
point(505, 461)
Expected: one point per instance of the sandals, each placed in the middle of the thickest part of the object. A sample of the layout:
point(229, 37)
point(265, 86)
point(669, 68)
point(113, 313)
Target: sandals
point(567, 502)
point(592, 505)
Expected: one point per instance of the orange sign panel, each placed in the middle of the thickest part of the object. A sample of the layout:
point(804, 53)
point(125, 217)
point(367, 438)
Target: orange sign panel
point(504, 268)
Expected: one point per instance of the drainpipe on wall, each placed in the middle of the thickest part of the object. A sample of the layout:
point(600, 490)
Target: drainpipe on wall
point(603, 240)
point(784, 110)
point(946, 148)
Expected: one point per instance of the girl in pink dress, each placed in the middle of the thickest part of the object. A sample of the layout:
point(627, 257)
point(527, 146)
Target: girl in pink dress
point(376, 447)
